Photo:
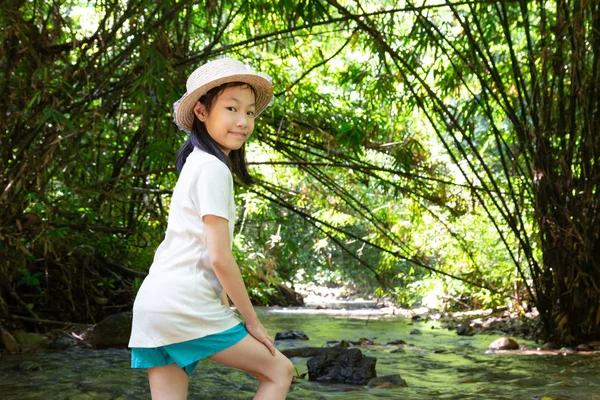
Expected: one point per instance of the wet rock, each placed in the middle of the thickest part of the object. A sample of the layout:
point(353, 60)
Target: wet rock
point(30, 366)
point(60, 340)
point(398, 341)
point(113, 331)
point(389, 381)
point(335, 343)
point(551, 346)
point(502, 323)
point(342, 366)
point(464, 330)
point(366, 341)
point(291, 335)
point(306, 351)
point(8, 342)
point(415, 332)
point(504, 344)
point(63, 342)
point(584, 347)
point(31, 341)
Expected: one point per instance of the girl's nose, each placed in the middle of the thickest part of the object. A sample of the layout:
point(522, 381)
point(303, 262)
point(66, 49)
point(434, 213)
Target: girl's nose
point(242, 122)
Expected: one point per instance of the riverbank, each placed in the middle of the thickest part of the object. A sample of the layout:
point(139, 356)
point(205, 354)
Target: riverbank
point(435, 363)
point(335, 302)
point(503, 322)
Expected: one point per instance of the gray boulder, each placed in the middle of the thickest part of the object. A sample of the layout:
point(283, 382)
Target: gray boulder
point(63, 343)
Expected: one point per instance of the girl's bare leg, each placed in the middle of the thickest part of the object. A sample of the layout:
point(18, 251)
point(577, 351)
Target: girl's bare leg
point(168, 383)
point(273, 372)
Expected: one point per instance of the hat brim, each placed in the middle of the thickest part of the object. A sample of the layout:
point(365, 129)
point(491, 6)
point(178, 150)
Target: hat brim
point(263, 92)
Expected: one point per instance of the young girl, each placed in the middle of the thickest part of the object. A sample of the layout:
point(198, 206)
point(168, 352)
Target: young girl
point(181, 312)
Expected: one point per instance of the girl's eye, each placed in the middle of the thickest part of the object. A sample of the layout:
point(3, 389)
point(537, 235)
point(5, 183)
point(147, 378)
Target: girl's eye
point(251, 113)
point(231, 109)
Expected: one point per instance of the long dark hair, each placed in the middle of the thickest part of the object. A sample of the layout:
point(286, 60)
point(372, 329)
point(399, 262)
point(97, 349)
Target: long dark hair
point(200, 138)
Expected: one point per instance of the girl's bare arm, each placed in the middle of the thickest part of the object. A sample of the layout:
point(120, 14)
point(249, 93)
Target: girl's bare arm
point(228, 272)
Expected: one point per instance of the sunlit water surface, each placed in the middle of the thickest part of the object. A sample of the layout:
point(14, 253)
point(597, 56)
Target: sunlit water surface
point(436, 365)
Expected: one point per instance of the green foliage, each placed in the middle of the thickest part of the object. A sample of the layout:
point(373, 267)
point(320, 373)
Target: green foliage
point(29, 279)
point(435, 153)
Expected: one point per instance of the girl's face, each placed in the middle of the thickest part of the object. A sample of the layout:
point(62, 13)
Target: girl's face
point(230, 121)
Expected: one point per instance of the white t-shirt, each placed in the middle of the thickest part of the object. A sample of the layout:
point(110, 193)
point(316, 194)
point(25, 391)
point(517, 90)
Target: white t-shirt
point(180, 298)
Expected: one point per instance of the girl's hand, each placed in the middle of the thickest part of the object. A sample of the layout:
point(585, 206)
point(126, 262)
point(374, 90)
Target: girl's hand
point(259, 332)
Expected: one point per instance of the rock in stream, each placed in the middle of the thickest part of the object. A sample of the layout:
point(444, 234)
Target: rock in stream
point(342, 366)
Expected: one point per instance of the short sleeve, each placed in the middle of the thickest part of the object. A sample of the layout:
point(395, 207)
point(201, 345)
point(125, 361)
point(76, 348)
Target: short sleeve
point(212, 190)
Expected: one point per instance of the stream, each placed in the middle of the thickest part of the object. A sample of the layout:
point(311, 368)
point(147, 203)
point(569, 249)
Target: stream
point(437, 364)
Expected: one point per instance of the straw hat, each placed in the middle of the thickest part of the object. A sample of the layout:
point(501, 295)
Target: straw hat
point(216, 73)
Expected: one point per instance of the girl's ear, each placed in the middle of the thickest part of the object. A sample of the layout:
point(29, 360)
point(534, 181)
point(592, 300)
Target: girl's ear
point(200, 111)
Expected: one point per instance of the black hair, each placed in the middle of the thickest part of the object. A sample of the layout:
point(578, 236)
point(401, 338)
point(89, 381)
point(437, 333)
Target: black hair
point(200, 138)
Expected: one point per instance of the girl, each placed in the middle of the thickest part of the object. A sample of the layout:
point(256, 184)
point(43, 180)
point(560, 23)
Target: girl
point(181, 312)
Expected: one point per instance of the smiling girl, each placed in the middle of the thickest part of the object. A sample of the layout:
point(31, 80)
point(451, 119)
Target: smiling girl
point(181, 313)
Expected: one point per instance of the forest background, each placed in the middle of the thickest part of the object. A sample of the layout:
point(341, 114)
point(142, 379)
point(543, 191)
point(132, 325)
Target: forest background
point(437, 153)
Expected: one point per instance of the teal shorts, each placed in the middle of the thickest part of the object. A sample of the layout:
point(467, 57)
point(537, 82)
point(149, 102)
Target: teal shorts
point(187, 354)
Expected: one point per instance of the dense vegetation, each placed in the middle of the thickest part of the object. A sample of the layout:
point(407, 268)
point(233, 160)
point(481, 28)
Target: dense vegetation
point(443, 153)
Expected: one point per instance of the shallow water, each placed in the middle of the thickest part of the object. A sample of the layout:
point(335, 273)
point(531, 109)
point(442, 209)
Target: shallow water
point(436, 365)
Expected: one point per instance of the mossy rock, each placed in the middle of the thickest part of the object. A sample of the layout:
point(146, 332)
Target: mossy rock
point(114, 331)
point(32, 341)
point(8, 342)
